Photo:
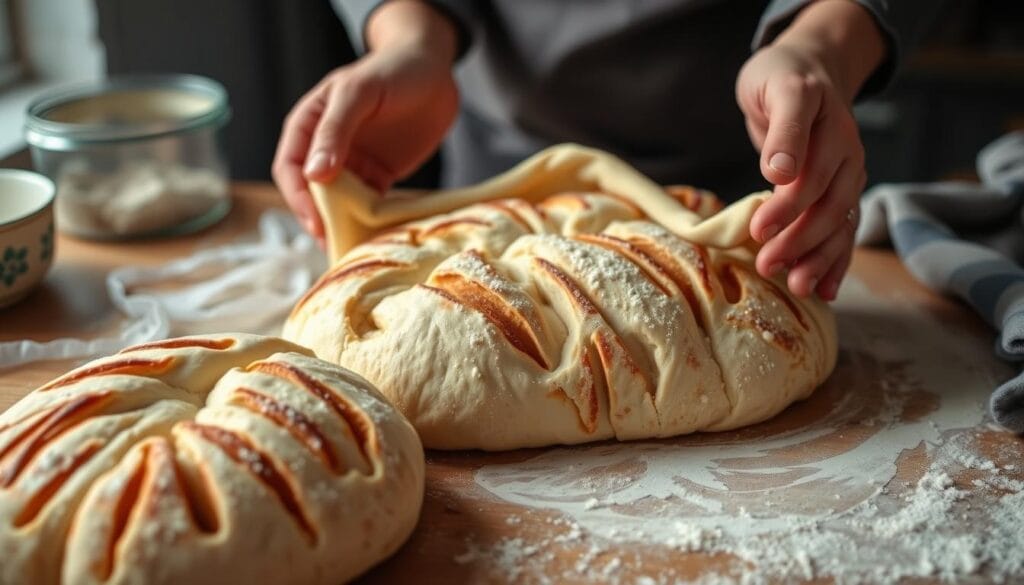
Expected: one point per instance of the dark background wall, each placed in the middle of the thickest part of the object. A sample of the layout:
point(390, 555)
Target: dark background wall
point(961, 90)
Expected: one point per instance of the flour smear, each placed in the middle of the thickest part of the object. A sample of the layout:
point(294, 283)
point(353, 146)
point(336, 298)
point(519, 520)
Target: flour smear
point(863, 483)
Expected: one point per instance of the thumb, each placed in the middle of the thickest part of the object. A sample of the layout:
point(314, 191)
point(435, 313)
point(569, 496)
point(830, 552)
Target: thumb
point(349, 104)
point(791, 106)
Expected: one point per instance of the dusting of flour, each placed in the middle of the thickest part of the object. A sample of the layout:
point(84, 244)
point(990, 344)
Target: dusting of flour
point(883, 483)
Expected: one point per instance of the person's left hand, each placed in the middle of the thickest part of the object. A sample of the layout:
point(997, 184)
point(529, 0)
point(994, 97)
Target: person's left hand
point(801, 122)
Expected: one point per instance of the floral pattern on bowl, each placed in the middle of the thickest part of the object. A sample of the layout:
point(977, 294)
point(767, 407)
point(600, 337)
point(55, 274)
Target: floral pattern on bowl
point(26, 233)
point(13, 265)
point(46, 241)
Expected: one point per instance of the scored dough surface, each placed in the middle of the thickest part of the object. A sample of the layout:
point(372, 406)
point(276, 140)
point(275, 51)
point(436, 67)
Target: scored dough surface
point(226, 458)
point(568, 300)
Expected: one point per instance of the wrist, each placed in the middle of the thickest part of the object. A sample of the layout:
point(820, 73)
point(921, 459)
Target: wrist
point(414, 25)
point(843, 37)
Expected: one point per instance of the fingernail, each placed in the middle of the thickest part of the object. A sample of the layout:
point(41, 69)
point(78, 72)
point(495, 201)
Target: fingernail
point(769, 232)
point(776, 268)
point(783, 163)
point(317, 164)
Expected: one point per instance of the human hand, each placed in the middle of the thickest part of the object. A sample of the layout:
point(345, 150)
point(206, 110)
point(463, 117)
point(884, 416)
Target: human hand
point(796, 95)
point(380, 117)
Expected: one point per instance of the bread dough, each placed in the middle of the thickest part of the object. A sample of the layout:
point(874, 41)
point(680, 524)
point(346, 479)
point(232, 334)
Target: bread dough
point(219, 459)
point(568, 300)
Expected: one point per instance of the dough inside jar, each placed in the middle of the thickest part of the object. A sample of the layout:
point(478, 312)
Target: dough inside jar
point(138, 198)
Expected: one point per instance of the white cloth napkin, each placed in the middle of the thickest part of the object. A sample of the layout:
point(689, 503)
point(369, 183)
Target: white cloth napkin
point(245, 286)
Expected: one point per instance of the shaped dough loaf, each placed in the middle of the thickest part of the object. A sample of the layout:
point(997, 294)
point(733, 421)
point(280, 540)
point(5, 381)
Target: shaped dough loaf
point(220, 459)
point(568, 300)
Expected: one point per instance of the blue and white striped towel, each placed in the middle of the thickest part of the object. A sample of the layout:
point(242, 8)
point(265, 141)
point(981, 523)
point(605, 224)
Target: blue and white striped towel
point(967, 240)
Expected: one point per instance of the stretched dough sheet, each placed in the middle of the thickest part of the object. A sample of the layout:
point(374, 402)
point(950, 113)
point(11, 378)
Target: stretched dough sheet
point(353, 212)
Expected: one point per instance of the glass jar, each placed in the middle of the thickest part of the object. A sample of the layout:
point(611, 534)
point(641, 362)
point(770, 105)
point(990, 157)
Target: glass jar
point(135, 156)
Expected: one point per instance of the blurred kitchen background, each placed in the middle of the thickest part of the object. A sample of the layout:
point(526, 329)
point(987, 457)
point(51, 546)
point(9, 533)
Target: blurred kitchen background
point(962, 87)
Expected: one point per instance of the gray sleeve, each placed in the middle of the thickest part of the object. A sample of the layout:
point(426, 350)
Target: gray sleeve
point(901, 21)
point(355, 13)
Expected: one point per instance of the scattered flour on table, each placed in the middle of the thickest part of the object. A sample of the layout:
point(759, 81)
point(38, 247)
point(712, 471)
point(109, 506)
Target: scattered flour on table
point(783, 515)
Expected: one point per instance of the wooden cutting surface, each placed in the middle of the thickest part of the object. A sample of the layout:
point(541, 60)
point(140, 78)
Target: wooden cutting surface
point(458, 515)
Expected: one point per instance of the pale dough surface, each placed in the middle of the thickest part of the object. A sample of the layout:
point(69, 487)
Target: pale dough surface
point(568, 300)
point(226, 458)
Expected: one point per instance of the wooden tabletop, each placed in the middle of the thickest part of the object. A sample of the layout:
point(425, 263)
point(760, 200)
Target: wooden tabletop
point(460, 516)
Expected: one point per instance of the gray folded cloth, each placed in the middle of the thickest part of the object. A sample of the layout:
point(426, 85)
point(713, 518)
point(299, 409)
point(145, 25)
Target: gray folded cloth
point(966, 240)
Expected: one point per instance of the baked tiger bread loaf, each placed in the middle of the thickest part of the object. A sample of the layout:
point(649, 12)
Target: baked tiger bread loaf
point(219, 459)
point(569, 300)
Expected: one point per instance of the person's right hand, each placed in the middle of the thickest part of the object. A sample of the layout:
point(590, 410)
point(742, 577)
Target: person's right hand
point(380, 117)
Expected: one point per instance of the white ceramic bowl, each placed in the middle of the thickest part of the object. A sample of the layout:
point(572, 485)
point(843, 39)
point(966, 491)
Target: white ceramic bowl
point(26, 232)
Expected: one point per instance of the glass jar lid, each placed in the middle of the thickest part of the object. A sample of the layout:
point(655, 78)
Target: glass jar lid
point(124, 109)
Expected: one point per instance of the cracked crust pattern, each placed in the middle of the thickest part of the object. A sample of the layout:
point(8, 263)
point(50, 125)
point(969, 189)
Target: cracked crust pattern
point(567, 318)
point(204, 460)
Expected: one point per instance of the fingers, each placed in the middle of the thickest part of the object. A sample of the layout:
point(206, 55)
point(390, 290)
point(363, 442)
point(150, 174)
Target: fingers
point(788, 202)
point(374, 173)
point(296, 136)
point(819, 221)
point(821, 240)
point(316, 139)
point(293, 186)
point(809, 274)
point(791, 103)
point(756, 132)
point(350, 101)
point(828, 286)
point(811, 151)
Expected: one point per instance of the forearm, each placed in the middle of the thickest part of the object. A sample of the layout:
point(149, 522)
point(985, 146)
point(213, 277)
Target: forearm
point(404, 24)
point(843, 36)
